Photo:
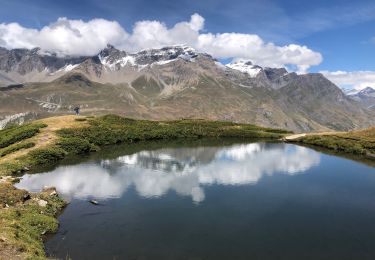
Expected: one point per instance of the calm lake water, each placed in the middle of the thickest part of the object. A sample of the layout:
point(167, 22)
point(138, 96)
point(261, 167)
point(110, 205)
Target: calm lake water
point(213, 200)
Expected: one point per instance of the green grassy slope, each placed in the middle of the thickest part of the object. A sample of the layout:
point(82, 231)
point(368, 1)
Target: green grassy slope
point(355, 142)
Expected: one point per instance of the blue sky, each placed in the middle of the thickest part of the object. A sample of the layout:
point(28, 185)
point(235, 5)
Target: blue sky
point(341, 31)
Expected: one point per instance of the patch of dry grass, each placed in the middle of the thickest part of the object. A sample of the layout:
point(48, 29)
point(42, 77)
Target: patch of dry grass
point(45, 138)
point(368, 134)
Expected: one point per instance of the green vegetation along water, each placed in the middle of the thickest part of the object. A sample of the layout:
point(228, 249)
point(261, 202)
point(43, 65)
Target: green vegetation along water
point(360, 142)
point(68, 135)
point(212, 199)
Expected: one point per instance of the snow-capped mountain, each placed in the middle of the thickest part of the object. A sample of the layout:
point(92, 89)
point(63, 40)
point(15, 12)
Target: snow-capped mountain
point(368, 91)
point(112, 58)
point(365, 96)
point(19, 66)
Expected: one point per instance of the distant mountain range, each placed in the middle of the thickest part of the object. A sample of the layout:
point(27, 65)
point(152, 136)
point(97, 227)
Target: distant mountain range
point(365, 96)
point(173, 82)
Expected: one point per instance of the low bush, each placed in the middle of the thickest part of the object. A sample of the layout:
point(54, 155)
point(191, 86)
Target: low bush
point(76, 145)
point(15, 147)
point(46, 155)
point(16, 134)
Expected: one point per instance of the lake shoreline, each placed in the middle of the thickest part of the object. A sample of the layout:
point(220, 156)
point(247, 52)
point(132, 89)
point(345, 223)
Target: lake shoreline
point(26, 218)
point(357, 143)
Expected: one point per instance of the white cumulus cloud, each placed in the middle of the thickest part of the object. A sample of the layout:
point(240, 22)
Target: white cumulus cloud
point(65, 37)
point(356, 79)
point(77, 37)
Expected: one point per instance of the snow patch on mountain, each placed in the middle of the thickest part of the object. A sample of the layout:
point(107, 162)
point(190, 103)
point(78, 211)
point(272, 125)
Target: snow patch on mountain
point(70, 67)
point(163, 62)
point(66, 68)
point(127, 60)
point(245, 67)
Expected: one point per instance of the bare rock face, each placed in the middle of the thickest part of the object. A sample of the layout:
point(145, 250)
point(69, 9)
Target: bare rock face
point(24, 61)
point(174, 82)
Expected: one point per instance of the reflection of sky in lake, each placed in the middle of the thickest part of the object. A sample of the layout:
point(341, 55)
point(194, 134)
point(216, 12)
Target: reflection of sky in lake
point(183, 170)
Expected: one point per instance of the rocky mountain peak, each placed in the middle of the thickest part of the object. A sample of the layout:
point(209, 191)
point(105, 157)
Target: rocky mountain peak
point(110, 50)
point(110, 56)
point(365, 96)
point(114, 59)
point(275, 73)
point(24, 61)
point(35, 51)
point(367, 91)
point(166, 54)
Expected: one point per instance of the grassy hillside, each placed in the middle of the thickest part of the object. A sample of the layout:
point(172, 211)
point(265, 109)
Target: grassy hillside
point(355, 142)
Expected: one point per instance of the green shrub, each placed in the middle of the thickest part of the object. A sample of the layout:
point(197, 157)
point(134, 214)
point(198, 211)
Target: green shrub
point(76, 145)
point(46, 155)
point(15, 147)
point(16, 134)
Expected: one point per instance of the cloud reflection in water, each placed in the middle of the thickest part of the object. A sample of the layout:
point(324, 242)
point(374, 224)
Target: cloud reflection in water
point(183, 170)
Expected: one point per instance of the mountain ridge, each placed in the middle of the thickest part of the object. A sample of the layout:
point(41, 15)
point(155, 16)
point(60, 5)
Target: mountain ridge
point(365, 96)
point(174, 82)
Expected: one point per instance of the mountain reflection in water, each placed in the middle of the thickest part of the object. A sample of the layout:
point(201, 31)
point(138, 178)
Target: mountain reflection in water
point(183, 170)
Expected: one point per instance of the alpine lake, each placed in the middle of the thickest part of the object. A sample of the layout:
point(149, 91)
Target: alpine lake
point(212, 199)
